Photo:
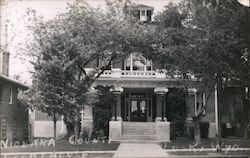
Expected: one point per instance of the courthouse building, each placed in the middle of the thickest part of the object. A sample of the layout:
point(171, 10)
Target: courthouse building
point(141, 110)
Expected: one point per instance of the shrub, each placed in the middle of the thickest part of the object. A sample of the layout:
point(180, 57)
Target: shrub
point(176, 111)
point(204, 128)
point(102, 112)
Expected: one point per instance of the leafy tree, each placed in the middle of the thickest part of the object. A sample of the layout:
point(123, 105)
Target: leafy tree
point(206, 38)
point(64, 46)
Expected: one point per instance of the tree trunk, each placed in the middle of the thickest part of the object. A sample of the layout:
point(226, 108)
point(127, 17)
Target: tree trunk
point(197, 132)
point(54, 122)
point(76, 126)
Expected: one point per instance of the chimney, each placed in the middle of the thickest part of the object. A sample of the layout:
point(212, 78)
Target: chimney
point(5, 63)
point(4, 54)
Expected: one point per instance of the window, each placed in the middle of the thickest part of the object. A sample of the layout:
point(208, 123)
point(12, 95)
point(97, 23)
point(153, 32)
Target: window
point(137, 62)
point(149, 15)
point(1, 92)
point(10, 95)
point(3, 128)
point(14, 129)
point(200, 103)
point(143, 13)
point(204, 103)
point(104, 63)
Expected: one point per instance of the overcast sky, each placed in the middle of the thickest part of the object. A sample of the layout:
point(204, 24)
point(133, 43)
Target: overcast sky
point(15, 11)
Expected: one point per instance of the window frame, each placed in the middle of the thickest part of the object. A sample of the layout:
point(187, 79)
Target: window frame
point(3, 127)
point(1, 93)
point(10, 95)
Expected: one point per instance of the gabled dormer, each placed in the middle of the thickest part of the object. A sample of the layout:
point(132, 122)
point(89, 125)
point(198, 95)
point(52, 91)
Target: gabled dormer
point(141, 12)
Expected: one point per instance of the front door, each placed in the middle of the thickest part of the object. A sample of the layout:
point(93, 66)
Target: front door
point(138, 110)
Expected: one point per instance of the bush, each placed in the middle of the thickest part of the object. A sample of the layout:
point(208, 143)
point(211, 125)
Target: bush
point(102, 112)
point(204, 128)
point(176, 111)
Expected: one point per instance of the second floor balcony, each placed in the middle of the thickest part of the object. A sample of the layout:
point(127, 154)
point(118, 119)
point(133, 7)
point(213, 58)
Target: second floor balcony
point(117, 73)
point(136, 66)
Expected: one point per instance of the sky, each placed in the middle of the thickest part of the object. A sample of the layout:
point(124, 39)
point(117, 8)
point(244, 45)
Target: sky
point(15, 12)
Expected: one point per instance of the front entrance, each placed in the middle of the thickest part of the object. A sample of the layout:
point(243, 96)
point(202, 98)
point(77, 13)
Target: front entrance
point(138, 105)
point(138, 110)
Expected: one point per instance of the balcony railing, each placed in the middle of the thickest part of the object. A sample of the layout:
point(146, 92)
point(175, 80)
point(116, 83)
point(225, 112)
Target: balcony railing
point(118, 73)
point(148, 74)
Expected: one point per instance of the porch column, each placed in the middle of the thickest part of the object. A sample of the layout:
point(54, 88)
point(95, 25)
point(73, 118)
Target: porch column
point(87, 119)
point(191, 101)
point(115, 125)
point(117, 115)
point(161, 104)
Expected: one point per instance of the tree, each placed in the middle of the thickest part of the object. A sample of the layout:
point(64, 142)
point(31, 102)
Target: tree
point(204, 39)
point(64, 46)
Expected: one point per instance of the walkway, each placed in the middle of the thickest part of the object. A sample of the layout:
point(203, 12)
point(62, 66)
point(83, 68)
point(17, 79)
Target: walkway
point(134, 150)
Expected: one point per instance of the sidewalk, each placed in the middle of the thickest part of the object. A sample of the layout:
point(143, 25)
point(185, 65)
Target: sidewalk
point(127, 150)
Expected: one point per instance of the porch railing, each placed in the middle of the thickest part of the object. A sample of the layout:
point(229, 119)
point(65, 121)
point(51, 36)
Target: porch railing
point(118, 73)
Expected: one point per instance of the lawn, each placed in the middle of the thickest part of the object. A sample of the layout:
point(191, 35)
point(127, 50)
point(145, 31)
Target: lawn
point(187, 143)
point(62, 145)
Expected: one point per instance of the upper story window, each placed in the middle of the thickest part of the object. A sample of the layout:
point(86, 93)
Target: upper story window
point(10, 95)
point(1, 93)
point(137, 62)
point(141, 12)
point(105, 63)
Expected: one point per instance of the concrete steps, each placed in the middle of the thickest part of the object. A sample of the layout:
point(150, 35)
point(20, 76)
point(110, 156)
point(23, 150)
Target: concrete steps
point(139, 132)
point(139, 137)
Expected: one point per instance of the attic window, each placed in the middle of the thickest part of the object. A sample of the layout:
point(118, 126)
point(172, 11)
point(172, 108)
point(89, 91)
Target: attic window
point(143, 13)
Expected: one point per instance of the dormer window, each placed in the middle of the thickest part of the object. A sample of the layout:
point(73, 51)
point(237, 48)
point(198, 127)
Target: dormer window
point(141, 12)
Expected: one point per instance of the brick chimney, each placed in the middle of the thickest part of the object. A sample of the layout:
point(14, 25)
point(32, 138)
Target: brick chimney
point(4, 53)
point(5, 63)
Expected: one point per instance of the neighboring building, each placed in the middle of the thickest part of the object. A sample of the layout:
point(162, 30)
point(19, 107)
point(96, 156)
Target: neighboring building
point(13, 116)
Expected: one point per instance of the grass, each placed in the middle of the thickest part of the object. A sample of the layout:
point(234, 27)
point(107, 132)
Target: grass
point(62, 145)
point(178, 143)
point(187, 143)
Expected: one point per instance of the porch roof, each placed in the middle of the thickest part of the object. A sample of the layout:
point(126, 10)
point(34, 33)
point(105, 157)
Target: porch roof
point(139, 6)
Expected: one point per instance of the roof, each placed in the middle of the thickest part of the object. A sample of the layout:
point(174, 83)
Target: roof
point(8, 79)
point(139, 6)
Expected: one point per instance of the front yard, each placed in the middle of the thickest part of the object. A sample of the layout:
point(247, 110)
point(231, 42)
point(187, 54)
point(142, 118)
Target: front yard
point(187, 143)
point(62, 145)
